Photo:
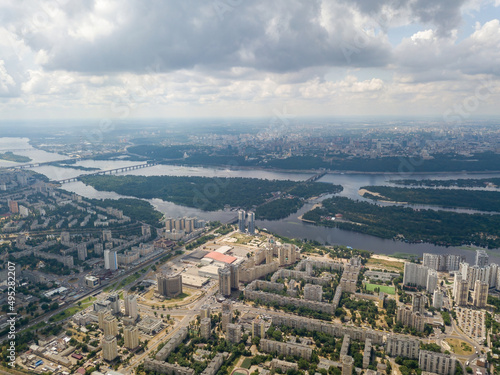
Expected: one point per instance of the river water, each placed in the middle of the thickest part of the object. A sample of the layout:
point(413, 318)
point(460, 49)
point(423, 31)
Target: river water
point(290, 226)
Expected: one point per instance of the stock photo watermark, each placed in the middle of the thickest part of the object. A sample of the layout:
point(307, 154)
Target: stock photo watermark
point(12, 314)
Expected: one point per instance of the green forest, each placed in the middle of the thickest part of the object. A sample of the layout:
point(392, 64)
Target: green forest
point(278, 209)
point(136, 209)
point(467, 183)
point(473, 199)
point(197, 155)
point(10, 156)
point(205, 193)
point(437, 227)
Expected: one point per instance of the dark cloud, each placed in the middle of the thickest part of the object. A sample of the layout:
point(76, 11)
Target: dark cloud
point(444, 15)
point(279, 36)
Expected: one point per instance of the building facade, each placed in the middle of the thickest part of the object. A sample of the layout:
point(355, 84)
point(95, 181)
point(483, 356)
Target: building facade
point(480, 295)
point(109, 348)
point(225, 281)
point(131, 337)
point(439, 363)
point(169, 286)
point(402, 346)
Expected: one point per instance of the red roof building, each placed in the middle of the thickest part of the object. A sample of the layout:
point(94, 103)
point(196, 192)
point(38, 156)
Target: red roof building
point(218, 257)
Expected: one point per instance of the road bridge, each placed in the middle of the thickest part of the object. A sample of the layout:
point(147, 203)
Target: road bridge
point(316, 177)
point(107, 172)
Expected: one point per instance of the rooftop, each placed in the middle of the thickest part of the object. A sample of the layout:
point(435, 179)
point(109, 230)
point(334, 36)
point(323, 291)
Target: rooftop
point(220, 257)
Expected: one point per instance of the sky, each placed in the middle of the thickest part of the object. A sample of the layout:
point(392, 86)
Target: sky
point(62, 59)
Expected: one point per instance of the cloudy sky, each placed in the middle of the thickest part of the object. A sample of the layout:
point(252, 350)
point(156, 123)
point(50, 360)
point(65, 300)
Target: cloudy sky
point(219, 58)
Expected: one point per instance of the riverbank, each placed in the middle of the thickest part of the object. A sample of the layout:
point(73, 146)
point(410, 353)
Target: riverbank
point(320, 170)
point(415, 226)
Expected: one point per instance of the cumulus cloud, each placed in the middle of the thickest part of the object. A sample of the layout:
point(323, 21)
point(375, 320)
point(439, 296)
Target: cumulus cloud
point(211, 55)
point(443, 15)
point(279, 36)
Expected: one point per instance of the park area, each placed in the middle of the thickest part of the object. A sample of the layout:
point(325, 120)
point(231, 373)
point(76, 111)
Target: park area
point(460, 347)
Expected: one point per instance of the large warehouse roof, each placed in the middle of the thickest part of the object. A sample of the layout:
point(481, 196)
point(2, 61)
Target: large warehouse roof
point(221, 257)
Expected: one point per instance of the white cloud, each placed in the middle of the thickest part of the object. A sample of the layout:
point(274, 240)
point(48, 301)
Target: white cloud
point(6, 81)
point(170, 57)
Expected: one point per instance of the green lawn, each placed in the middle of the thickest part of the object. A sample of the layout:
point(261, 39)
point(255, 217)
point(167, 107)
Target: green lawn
point(247, 362)
point(383, 288)
point(72, 310)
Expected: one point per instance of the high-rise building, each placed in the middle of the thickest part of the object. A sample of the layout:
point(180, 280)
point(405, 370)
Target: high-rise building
point(169, 286)
point(130, 302)
point(347, 365)
point(402, 346)
point(169, 224)
point(226, 318)
point(480, 296)
point(114, 298)
point(65, 238)
point(442, 262)
point(205, 311)
point(481, 258)
point(438, 363)
point(98, 249)
point(106, 235)
point(313, 292)
point(437, 299)
point(251, 223)
point(432, 280)
point(233, 333)
point(453, 262)
point(258, 328)
point(418, 303)
point(109, 348)
point(433, 261)
point(235, 276)
point(110, 260)
point(225, 281)
point(415, 275)
point(493, 275)
point(131, 336)
point(241, 221)
point(82, 251)
point(13, 207)
point(462, 296)
point(146, 230)
point(110, 326)
point(477, 273)
point(205, 327)
point(456, 283)
point(101, 315)
point(227, 307)
point(409, 318)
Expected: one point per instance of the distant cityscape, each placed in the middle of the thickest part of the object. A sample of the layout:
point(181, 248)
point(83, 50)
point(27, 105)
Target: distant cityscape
point(111, 286)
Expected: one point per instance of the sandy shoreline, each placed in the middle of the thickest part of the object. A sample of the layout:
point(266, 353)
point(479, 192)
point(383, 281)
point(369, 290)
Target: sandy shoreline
point(317, 205)
point(384, 199)
point(388, 258)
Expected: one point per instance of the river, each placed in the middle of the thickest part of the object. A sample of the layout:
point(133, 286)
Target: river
point(290, 226)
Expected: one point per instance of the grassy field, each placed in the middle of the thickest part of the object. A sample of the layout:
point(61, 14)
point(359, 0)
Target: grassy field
point(383, 288)
point(73, 310)
point(242, 239)
point(130, 279)
point(247, 362)
point(460, 347)
point(387, 264)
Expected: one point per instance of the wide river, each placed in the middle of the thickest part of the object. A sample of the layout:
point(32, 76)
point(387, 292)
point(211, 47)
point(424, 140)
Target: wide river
point(290, 226)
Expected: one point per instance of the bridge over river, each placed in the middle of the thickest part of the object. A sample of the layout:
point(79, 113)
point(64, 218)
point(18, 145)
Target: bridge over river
point(107, 172)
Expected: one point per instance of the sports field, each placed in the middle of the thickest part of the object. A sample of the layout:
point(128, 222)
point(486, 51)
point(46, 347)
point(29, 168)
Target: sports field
point(383, 288)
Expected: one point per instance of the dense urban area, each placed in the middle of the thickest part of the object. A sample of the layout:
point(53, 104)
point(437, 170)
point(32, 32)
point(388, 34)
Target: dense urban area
point(106, 286)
